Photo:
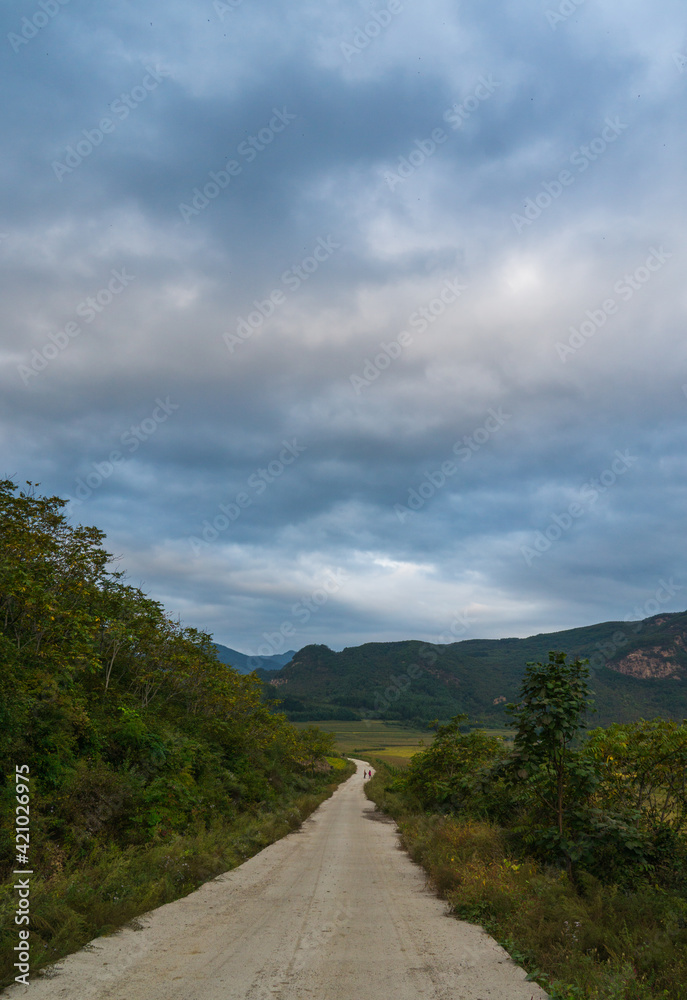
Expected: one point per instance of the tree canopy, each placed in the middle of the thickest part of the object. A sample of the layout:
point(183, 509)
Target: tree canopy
point(130, 725)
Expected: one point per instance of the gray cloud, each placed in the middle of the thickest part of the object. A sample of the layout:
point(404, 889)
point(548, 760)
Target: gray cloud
point(531, 334)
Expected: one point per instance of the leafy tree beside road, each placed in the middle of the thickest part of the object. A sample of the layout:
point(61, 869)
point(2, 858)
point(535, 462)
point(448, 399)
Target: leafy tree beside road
point(554, 699)
point(152, 766)
point(570, 847)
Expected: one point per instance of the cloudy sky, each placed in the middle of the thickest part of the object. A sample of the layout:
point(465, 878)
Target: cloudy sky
point(353, 321)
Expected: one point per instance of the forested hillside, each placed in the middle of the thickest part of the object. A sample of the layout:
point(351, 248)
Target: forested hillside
point(246, 664)
point(639, 670)
point(148, 765)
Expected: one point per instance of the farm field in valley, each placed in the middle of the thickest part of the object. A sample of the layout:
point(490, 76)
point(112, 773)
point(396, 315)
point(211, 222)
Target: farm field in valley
point(392, 743)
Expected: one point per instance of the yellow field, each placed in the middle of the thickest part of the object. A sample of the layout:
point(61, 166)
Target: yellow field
point(387, 740)
point(396, 756)
point(336, 762)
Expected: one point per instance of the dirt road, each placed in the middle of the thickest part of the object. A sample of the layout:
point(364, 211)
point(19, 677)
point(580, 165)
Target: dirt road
point(335, 911)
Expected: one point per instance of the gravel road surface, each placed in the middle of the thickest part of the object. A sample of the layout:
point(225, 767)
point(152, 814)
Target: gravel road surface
point(334, 911)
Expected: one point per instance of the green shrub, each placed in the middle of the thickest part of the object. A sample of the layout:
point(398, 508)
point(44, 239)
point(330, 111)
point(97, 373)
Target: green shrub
point(75, 899)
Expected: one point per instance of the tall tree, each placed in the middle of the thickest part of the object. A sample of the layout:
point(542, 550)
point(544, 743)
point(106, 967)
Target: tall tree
point(554, 698)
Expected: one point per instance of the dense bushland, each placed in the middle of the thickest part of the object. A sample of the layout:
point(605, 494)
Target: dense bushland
point(570, 849)
point(150, 765)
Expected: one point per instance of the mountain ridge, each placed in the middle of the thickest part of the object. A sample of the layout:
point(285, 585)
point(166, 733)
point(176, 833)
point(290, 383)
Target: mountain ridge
point(245, 664)
point(638, 669)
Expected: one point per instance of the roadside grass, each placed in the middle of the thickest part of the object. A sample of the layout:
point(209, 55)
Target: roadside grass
point(593, 941)
point(109, 887)
point(338, 763)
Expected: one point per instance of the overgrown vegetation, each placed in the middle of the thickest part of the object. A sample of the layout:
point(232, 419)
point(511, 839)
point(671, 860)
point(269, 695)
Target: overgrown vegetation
point(149, 765)
point(571, 850)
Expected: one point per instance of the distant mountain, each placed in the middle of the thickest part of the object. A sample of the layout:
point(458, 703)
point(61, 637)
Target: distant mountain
point(639, 670)
point(246, 664)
